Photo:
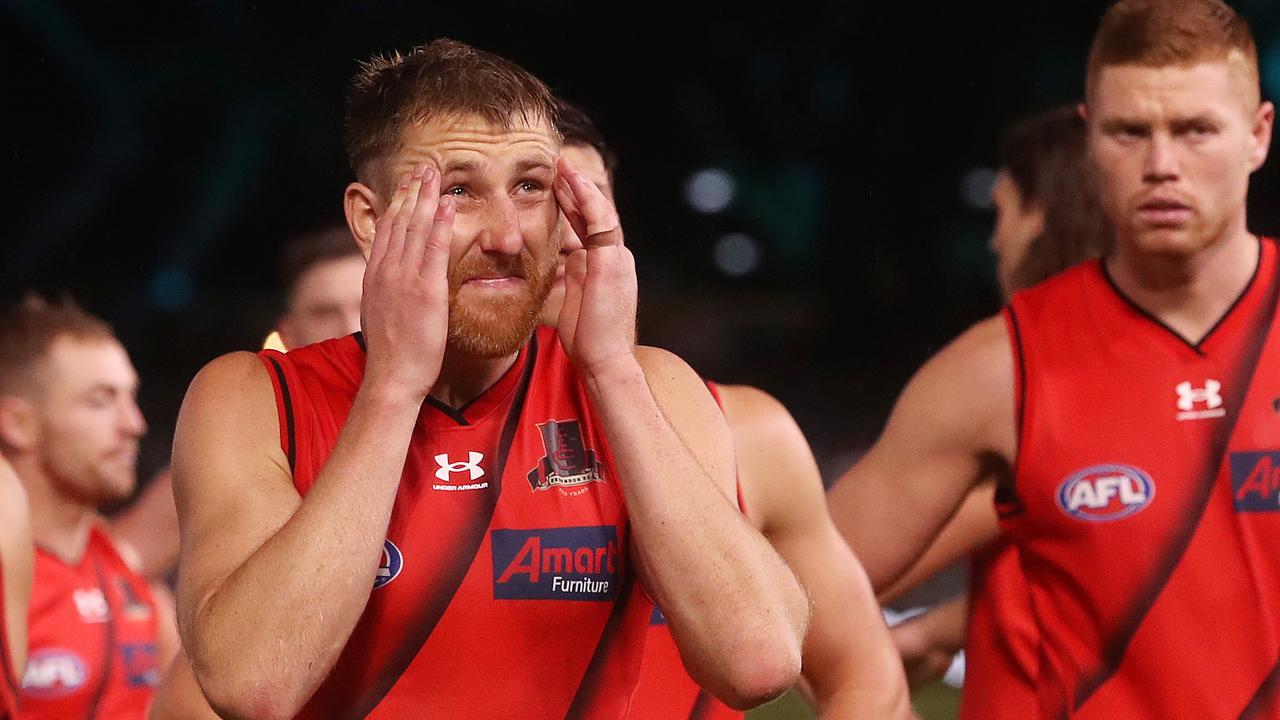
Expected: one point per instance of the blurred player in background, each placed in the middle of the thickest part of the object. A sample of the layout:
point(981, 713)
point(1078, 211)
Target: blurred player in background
point(70, 426)
point(849, 666)
point(1124, 406)
point(16, 560)
point(322, 273)
point(1047, 219)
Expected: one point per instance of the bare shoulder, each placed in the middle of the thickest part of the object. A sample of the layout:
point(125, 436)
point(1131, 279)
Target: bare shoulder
point(780, 479)
point(230, 378)
point(688, 406)
point(230, 397)
point(664, 366)
point(965, 392)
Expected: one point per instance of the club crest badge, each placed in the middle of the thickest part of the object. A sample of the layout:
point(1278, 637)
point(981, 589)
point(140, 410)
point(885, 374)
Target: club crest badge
point(568, 463)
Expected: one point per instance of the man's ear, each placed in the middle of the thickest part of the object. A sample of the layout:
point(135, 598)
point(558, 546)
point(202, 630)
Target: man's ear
point(19, 426)
point(360, 203)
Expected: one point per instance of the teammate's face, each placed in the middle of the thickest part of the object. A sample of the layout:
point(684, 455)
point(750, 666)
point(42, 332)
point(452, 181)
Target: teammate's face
point(505, 240)
point(588, 160)
point(1173, 148)
point(1017, 224)
point(89, 421)
point(325, 302)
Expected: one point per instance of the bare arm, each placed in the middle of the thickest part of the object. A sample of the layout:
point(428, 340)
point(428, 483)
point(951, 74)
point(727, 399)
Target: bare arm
point(146, 532)
point(737, 613)
point(254, 554)
point(17, 558)
point(849, 661)
point(952, 425)
point(973, 527)
point(929, 642)
point(735, 610)
point(179, 696)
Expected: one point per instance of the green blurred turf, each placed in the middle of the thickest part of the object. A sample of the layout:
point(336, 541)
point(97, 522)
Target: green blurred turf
point(934, 702)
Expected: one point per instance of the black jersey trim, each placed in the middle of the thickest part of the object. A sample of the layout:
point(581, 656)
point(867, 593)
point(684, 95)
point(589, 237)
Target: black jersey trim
point(589, 686)
point(463, 548)
point(1198, 346)
point(458, 414)
point(1113, 652)
point(1008, 503)
point(701, 705)
point(292, 449)
point(453, 414)
point(1265, 694)
point(109, 651)
point(359, 336)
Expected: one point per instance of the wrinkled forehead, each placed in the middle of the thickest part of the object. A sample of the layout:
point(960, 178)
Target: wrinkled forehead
point(1138, 91)
point(471, 142)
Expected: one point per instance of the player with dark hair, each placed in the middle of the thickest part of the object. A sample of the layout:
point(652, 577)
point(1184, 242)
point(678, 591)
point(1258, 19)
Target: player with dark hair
point(444, 515)
point(321, 275)
point(849, 665)
point(69, 424)
point(1047, 219)
point(1125, 406)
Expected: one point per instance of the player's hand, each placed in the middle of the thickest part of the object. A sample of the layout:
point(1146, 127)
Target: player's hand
point(598, 319)
point(404, 312)
point(923, 657)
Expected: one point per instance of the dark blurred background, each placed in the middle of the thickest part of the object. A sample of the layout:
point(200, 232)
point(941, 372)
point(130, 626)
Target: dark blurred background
point(805, 186)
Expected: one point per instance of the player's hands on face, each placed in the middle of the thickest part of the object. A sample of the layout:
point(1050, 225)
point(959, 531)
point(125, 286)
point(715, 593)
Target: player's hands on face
point(598, 318)
point(404, 312)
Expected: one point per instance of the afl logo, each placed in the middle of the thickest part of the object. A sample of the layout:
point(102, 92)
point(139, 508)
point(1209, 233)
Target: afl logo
point(1106, 492)
point(390, 566)
point(53, 673)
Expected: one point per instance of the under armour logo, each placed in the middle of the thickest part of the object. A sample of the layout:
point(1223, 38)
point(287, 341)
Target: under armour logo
point(448, 468)
point(1188, 396)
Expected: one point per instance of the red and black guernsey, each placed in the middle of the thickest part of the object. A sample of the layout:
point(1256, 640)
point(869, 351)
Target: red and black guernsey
point(505, 584)
point(1149, 477)
point(665, 690)
point(9, 681)
point(1002, 643)
point(92, 630)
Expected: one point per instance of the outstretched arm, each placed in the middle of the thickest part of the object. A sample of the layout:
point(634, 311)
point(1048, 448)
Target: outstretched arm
point(952, 426)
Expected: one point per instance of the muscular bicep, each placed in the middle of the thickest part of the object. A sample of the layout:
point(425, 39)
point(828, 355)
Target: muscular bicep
point(231, 480)
point(952, 422)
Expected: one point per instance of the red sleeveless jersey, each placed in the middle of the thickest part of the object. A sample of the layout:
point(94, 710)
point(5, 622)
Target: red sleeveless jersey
point(1148, 473)
point(505, 586)
point(1002, 643)
point(9, 683)
point(92, 638)
point(665, 690)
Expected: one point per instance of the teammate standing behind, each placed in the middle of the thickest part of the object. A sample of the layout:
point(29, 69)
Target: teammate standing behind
point(70, 427)
point(322, 273)
point(849, 664)
point(462, 460)
point(16, 562)
point(1047, 219)
point(1125, 405)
